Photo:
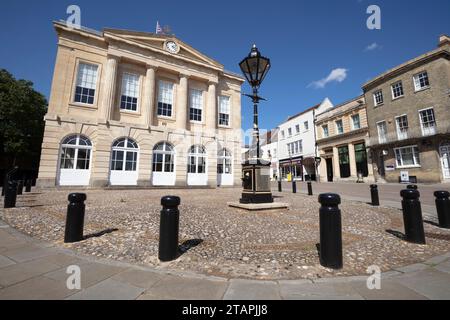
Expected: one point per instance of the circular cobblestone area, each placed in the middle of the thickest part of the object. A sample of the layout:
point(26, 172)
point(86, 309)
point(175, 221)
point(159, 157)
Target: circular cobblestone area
point(280, 244)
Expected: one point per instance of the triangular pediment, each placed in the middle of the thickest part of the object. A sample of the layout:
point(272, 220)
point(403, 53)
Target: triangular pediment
point(157, 41)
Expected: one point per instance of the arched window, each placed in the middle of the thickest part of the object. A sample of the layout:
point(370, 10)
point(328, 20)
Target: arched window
point(76, 153)
point(197, 159)
point(163, 157)
point(224, 162)
point(124, 155)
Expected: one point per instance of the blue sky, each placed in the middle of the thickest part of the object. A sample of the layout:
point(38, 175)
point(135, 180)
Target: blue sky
point(306, 40)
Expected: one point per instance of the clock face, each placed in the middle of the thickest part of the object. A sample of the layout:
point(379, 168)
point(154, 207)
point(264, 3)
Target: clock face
point(171, 46)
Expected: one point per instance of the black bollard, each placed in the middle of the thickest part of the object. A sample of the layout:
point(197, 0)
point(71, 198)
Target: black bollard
point(280, 187)
point(10, 195)
point(330, 231)
point(443, 208)
point(20, 187)
point(412, 187)
point(294, 186)
point(169, 228)
point(374, 195)
point(412, 216)
point(310, 190)
point(28, 186)
point(75, 218)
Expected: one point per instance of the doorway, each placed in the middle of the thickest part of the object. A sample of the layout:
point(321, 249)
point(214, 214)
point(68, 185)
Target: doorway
point(329, 169)
point(444, 152)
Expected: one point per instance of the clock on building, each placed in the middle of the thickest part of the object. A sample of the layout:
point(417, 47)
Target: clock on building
point(172, 46)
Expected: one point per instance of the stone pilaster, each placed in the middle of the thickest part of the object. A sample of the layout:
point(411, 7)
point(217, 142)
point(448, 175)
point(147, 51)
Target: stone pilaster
point(182, 102)
point(211, 112)
point(148, 101)
point(336, 168)
point(109, 88)
point(352, 158)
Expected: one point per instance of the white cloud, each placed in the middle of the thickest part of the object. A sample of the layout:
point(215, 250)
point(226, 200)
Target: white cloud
point(372, 47)
point(337, 75)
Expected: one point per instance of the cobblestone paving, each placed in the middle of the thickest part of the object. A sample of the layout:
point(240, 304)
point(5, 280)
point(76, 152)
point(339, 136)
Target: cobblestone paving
point(236, 244)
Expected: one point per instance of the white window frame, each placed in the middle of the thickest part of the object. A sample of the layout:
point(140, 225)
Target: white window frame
point(415, 159)
point(77, 84)
point(198, 104)
point(401, 135)
point(165, 99)
point(416, 81)
point(393, 88)
point(376, 103)
point(353, 121)
point(290, 132)
point(385, 137)
point(228, 111)
point(424, 133)
point(327, 134)
point(297, 129)
point(306, 126)
point(137, 92)
point(337, 127)
point(283, 135)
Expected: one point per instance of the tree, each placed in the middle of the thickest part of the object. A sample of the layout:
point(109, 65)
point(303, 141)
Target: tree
point(22, 111)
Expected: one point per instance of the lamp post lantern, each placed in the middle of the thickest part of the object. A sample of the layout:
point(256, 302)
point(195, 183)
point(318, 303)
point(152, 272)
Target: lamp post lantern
point(256, 172)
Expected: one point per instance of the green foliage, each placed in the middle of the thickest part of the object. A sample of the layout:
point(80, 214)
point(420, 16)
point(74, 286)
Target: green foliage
point(22, 111)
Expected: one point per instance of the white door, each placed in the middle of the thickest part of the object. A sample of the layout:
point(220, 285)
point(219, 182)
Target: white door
point(75, 160)
point(225, 168)
point(445, 160)
point(197, 167)
point(124, 163)
point(163, 165)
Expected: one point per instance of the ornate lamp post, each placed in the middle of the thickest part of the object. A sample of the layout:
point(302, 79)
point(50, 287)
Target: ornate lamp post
point(256, 172)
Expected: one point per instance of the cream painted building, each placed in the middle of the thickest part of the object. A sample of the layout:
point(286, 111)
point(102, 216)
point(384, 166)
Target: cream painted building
point(135, 108)
point(342, 141)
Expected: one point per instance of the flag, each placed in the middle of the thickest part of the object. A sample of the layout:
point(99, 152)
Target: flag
point(158, 28)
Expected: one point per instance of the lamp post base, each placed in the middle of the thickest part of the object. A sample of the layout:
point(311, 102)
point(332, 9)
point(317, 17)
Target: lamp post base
point(256, 182)
point(257, 198)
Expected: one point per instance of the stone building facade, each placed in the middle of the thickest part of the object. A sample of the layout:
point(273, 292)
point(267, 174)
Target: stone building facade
point(342, 141)
point(297, 151)
point(139, 109)
point(408, 111)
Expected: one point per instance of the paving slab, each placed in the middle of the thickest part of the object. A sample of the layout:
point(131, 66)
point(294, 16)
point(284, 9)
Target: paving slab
point(9, 241)
point(430, 283)
point(181, 288)
point(252, 290)
point(436, 260)
point(109, 289)
point(413, 268)
point(443, 267)
point(91, 273)
point(390, 290)
point(23, 271)
point(5, 261)
point(39, 288)
point(138, 278)
point(318, 291)
point(27, 253)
